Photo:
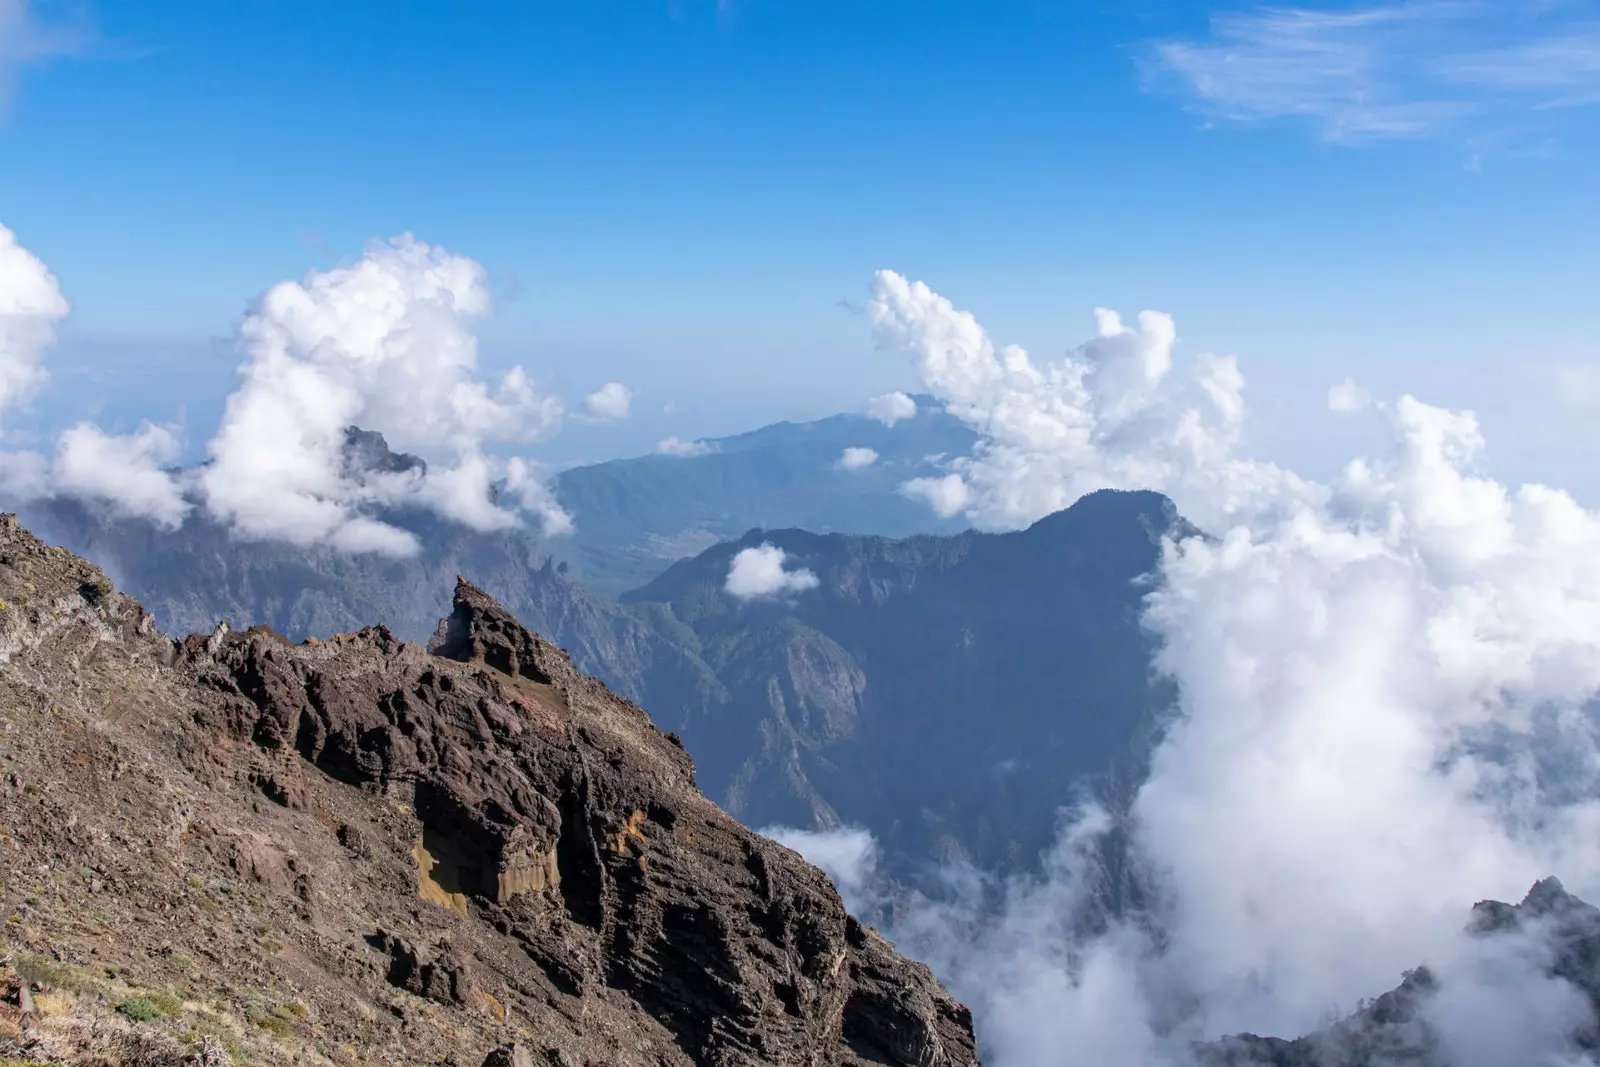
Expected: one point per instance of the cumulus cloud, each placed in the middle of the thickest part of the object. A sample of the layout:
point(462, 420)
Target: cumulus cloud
point(1347, 666)
point(947, 495)
point(757, 573)
point(1114, 413)
point(610, 402)
point(854, 459)
point(122, 472)
point(1347, 396)
point(1386, 712)
point(891, 408)
point(30, 306)
point(672, 446)
point(385, 343)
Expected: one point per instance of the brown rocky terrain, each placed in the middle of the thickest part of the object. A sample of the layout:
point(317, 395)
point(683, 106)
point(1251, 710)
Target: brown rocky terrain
point(233, 848)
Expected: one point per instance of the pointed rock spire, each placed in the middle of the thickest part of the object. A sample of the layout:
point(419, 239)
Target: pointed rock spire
point(480, 629)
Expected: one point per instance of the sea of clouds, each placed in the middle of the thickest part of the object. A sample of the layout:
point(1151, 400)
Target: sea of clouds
point(1377, 679)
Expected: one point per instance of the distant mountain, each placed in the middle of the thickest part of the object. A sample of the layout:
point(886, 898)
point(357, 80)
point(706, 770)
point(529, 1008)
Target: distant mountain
point(950, 693)
point(634, 516)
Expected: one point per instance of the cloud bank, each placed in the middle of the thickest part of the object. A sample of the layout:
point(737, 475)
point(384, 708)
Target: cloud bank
point(31, 304)
point(1114, 413)
point(385, 343)
point(124, 473)
point(1387, 692)
point(758, 573)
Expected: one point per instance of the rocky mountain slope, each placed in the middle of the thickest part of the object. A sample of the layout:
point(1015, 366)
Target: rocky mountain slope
point(948, 693)
point(232, 847)
point(1400, 1026)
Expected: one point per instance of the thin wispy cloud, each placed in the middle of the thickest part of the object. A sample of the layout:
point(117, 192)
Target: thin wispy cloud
point(26, 40)
point(1420, 69)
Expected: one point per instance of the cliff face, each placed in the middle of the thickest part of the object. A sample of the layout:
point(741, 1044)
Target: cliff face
point(361, 850)
point(951, 694)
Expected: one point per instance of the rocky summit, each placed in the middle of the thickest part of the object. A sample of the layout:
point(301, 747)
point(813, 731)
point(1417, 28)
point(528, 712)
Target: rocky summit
point(231, 848)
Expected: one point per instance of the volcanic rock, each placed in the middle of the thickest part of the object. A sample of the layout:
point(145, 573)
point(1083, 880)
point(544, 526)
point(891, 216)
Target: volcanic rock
point(360, 849)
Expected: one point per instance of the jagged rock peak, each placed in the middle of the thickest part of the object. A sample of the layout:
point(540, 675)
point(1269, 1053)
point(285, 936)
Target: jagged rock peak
point(406, 854)
point(479, 629)
point(367, 452)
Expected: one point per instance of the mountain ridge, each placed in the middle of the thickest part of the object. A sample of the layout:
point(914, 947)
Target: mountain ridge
point(414, 852)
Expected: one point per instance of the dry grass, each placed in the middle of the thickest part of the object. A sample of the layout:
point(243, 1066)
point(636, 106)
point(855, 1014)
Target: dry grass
point(55, 1004)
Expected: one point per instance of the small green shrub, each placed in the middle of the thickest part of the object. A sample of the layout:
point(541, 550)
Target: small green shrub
point(166, 1002)
point(95, 590)
point(140, 1009)
point(277, 1020)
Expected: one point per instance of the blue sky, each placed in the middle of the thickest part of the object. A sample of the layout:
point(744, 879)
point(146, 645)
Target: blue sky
point(690, 196)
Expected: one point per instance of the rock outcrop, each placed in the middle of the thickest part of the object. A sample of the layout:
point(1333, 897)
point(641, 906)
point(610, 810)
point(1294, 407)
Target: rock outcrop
point(364, 850)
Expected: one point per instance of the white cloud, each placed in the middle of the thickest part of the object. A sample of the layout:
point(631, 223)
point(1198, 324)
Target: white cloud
point(848, 855)
point(1109, 415)
point(1402, 69)
point(947, 495)
point(758, 573)
point(385, 344)
point(890, 408)
point(527, 479)
point(122, 472)
point(672, 446)
point(25, 40)
point(610, 402)
point(30, 306)
point(24, 475)
point(1373, 676)
point(854, 459)
point(1347, 396)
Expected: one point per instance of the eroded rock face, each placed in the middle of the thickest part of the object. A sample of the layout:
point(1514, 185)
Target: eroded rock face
point(478, 826)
